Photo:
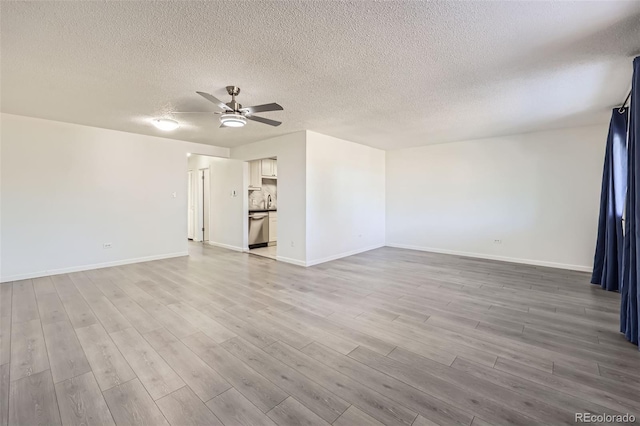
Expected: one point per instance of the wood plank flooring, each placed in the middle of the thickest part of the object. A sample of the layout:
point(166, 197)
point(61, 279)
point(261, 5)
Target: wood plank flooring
point(387, 337)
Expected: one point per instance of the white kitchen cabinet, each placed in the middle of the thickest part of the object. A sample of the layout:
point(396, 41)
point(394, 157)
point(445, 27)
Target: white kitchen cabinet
point(273, 227)
point(269, 168)
point(255, 174)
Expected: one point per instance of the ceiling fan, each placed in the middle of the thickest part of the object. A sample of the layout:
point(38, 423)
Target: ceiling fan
point(235, 115)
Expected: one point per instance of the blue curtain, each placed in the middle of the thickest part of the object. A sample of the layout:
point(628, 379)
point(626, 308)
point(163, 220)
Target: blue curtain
point(629, 310)
point(607, 263)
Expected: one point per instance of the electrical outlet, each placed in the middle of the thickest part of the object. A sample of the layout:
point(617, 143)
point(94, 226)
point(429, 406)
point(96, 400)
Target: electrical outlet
point(174, 194)
point(292, 245)
point(497, 241)
point(106, 246)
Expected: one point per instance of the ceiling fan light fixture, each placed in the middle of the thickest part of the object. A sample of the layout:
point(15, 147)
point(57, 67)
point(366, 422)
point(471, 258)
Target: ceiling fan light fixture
point(233, 120)
point(166, 124)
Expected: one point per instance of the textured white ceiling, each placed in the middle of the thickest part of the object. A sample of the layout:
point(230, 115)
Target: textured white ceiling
point(385, 74)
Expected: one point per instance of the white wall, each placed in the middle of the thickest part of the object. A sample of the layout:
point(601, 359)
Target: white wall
point(67, 189)
point(538, 193)
point(345, 198)
point(228, 223)
point(228, 214)
point(290, 150)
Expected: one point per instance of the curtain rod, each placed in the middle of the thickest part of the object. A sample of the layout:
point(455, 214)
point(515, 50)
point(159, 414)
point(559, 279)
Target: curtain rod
point(621, 109)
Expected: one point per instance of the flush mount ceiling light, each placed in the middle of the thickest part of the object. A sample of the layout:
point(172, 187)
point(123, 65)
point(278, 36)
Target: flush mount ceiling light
point(233, 120)
point(166, 124)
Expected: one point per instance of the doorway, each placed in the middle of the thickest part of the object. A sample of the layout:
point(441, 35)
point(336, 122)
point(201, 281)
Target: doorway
point(263, 207)
point(199, 199)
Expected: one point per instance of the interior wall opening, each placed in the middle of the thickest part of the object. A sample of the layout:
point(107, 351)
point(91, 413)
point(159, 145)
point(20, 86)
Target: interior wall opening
point(263, 207)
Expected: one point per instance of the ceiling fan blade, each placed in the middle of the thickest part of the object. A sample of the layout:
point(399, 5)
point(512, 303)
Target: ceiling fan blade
point(263, 120)
point(214, 100)
point(262, 108)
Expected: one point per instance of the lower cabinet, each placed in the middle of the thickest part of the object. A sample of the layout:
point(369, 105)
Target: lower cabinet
point(273, 227)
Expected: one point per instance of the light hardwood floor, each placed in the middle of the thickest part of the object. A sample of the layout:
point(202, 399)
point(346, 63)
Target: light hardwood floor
point(390, 336)
point(270, 252)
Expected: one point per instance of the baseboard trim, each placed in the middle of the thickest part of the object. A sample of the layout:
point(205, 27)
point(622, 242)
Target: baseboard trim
point(226, 246)
point(91, 266)
point(341, 255)
point(291, 261)
point(326, 259)
point(567, 266)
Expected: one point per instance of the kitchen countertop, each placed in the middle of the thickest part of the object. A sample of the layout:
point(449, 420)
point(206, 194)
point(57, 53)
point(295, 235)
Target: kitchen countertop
point(262, 210)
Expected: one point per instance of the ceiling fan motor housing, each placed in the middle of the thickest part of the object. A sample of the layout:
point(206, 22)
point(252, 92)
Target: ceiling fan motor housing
point(235, 106)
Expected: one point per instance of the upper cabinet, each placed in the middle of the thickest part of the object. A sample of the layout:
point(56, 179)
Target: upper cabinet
point(269, 168)
point(255, 174)
point(261, 169)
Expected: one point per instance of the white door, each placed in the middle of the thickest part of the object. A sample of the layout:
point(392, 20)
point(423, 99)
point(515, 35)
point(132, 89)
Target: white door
point(206, 204)
point(204, 194)
point(191, 208)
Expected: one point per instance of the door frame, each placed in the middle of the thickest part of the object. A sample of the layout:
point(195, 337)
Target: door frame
point(191, 219)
